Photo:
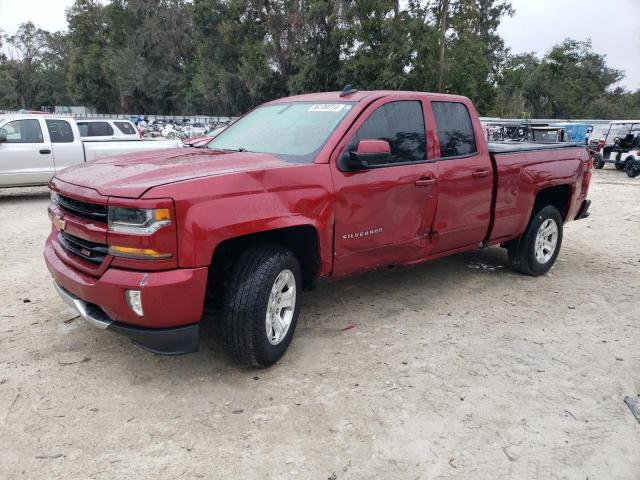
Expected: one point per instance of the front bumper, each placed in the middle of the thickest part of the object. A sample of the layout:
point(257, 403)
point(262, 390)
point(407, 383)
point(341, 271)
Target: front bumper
point(173, 302)
point(163, 341)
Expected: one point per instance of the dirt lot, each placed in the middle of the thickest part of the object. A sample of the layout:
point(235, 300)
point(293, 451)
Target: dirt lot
point(455, 369)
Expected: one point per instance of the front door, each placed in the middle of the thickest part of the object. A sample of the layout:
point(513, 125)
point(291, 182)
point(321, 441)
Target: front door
point(384, 213)
point(25, 156)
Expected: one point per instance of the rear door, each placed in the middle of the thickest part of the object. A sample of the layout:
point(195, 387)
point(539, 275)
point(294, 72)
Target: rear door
point(67, 146)
point(25, 156)
point(465, 179)
point(383, 214)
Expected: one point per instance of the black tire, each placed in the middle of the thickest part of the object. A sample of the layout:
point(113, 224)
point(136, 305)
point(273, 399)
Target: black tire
point(522, 251)
point(246, 302)
point(632, 168)
point(598, 161)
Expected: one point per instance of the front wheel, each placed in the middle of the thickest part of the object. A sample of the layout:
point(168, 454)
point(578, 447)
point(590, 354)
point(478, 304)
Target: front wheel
point(632, 167)
point(262, 305)
point(535, 252)
point(598, 161)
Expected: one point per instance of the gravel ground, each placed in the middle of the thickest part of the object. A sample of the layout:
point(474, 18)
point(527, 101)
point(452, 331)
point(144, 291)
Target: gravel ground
point(457, 368)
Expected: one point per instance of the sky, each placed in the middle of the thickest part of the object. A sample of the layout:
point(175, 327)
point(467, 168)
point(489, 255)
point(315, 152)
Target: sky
point(612, 25)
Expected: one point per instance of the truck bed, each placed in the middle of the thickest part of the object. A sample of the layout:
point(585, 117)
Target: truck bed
point(498, 148)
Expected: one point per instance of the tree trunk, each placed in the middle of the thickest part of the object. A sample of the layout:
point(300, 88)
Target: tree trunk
point(444, 25)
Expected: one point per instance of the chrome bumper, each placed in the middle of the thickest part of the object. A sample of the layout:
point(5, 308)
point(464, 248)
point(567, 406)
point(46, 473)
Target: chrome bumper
point(90, 313)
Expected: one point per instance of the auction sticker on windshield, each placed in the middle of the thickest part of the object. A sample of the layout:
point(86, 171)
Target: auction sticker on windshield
point(326, 107)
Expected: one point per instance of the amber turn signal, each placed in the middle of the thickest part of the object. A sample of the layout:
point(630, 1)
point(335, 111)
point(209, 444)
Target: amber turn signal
point(137, 253)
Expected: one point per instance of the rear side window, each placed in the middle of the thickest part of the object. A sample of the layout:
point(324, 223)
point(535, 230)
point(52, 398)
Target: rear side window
point(402, 125)
point(455, 130)
point(23, 131)
point(125, 127)
point(60, 131)
point(95, 129)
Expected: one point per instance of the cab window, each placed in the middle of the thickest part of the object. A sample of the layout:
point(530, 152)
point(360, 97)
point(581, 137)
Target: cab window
point(60, 131)
point(125, 127)
point(401, 124)
point(455, 130)
point(22, 131)
point(95, 129)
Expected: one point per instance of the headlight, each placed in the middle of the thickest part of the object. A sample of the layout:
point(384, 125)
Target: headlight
point(140, 221)
point(54, 197)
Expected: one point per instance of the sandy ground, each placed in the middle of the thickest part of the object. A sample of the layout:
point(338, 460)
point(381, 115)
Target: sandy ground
point(457, 368)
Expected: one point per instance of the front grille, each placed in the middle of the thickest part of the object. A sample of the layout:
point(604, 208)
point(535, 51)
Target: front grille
point(90, 251)
point(90, 211)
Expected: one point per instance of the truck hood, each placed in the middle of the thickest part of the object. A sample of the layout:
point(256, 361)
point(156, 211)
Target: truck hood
point(133, 174)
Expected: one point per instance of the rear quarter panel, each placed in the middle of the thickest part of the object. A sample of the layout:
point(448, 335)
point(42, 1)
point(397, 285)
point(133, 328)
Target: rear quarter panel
point(521, 175)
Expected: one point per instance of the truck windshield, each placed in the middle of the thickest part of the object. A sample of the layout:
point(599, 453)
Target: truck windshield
point(293, 131)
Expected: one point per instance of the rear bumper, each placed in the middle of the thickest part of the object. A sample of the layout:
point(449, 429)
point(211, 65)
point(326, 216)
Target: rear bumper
point(173, 302)
point(163, 341)
point(584, 210)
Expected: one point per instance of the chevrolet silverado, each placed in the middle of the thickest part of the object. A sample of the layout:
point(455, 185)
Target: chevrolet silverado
point(305, 188)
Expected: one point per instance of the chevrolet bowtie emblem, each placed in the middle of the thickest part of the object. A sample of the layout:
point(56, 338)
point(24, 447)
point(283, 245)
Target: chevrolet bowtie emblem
point(59, 223)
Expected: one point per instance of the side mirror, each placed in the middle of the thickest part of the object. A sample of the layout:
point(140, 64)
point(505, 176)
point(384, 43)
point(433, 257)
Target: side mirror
point(368, 154)
point(3, 137)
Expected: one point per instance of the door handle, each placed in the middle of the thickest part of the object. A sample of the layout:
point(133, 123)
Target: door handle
point(425, 182)
point(480, 173)
point(45, 151)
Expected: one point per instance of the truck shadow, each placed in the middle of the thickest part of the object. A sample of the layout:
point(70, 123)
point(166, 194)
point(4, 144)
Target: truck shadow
point(375, 300)
point(327, 310)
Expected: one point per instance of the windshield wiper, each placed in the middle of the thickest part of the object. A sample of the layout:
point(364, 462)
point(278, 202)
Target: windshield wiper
point(239, 149)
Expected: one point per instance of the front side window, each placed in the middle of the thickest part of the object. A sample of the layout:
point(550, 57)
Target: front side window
point(22, 131)
point(399, 123)
point(293, 131)
point(60, 131)
point(125, 127)
point(455, 130)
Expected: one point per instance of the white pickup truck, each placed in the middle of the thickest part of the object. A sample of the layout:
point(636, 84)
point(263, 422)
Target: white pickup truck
point(34, 147)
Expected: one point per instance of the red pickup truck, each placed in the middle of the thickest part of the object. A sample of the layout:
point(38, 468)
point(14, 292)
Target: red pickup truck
point(304, 188)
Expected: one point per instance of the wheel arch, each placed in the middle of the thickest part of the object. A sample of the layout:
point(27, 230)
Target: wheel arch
point(558, 196)
point(302, 239)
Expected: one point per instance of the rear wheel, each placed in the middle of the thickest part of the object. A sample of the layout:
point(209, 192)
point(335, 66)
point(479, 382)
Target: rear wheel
point(535, 252)
point(598, 161)
point(262, 305)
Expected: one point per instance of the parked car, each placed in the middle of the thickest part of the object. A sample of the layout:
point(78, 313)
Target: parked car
point(301, 189)
point(98, 130)
point(34, 147)
point(618, 141)
point(197, 129)
point(203, 140)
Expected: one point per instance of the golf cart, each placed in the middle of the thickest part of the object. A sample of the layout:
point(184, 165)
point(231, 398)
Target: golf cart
point(548, 135)
point(619, 146)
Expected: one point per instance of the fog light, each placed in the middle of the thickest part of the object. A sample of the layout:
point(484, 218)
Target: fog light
point(134, 300)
